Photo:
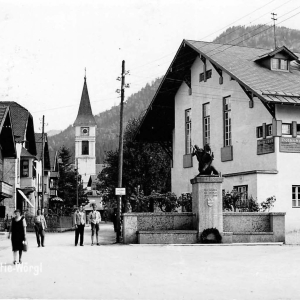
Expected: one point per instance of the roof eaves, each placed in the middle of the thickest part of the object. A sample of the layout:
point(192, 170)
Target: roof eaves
point(255, 93)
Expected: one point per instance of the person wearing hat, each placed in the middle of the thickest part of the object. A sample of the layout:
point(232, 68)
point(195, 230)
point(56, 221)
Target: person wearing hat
point(95, 218)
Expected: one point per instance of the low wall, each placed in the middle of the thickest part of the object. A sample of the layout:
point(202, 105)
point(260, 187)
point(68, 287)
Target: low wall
point(133, 222)
point(54, 224)
point(243, 223)
point(238, 226)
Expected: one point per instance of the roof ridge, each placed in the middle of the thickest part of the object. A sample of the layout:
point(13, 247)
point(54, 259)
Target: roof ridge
point(15, 103)
point(241, 46)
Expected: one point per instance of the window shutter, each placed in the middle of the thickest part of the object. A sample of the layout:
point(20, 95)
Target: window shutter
point(294, 129)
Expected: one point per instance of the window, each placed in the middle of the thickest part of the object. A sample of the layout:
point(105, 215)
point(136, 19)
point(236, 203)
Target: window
point(296, 196)
point(243, 190)
point(188, 131)
point(227, 121)
point(208, 75)
point(269, 130)
point(206, 123)
point(275, 63)
point(259, 131)
point(34, 169)
point(286, 129)
point(85, 148)
point(283, 64)
point(279, 64)
point(24, 168)
point(298, 129)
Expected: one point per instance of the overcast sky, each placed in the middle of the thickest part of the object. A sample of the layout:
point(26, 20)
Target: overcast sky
point(46, 45)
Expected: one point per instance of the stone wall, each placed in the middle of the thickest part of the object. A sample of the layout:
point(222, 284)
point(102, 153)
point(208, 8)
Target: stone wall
point(240, 227)
point(133, 222)
point(243, 224)
point(54, 224)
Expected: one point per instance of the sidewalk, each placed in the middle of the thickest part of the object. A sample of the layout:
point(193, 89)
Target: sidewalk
point(113, 271)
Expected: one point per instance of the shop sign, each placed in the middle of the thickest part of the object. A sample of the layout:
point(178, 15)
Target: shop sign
point(289, 144)
point(265, 146)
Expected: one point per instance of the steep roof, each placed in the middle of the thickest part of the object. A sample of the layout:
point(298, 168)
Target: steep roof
point(240, 63)
point(85, 116)
point(19, 116)
point(25, 153)
point(7, 141)
point(22, 122)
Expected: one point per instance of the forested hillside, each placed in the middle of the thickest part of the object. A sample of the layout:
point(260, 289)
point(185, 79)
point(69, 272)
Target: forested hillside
point(260, 36)
point(257, 36)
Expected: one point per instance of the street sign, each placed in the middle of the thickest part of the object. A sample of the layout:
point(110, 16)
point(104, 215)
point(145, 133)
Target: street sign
point(120, 191)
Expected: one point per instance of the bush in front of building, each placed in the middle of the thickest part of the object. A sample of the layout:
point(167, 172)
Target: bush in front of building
point(235, 201)
point(268, 204)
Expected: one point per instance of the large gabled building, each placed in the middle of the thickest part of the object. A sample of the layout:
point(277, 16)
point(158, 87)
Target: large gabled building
point(244, 102)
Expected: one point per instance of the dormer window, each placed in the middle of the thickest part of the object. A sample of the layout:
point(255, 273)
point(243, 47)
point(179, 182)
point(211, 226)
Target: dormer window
point(280, 64)
point(277, 60)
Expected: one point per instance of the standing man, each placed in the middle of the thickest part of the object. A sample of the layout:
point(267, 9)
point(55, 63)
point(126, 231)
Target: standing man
point(79, 221)
point(40, 225)
point(95, 219)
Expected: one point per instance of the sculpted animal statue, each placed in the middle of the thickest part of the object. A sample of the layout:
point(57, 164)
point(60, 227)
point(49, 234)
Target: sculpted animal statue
point(205, 158)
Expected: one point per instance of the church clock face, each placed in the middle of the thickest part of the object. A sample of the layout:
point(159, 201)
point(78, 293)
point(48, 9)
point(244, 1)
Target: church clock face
point(84, 131)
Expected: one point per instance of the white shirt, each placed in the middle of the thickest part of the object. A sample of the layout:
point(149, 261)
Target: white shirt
point(95, 217)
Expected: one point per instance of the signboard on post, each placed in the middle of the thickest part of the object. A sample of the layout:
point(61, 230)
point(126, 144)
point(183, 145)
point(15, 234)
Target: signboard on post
point(289, 144)
point(120, 191)
point(265, 146)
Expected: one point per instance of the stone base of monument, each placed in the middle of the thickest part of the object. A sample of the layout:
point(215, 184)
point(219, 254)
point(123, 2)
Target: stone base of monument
point(207, 203)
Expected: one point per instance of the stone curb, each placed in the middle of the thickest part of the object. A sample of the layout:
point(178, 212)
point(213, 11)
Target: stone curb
point(214, 245)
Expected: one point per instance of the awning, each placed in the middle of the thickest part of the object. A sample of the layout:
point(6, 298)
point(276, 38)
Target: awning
point(25, 198)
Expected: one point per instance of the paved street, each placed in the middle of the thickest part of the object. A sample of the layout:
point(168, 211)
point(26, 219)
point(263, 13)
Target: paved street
point(112, 271)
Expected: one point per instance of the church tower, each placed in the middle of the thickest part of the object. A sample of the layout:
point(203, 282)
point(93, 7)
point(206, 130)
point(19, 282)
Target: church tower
point(85, 138)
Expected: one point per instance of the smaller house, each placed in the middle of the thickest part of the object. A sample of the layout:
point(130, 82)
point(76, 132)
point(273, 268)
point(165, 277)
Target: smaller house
point(22, 178)
point(54, 174)
point(42, 201)
point(7, 150)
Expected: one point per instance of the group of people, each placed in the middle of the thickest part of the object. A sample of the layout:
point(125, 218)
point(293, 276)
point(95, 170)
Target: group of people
point(79, 221)
point(17, 232)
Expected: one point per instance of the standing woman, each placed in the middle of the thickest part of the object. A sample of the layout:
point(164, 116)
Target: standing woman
point(18, 234)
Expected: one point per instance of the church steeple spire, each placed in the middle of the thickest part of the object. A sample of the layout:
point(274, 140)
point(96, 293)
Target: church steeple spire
point(85, 116)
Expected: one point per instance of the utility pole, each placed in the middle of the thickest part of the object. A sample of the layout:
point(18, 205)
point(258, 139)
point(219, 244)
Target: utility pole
point(120, 164)
point(38, 197)
point(274, 27)
point(43, 163)
point(77, 182)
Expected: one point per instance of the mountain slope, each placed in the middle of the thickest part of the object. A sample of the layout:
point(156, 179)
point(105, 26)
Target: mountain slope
point(260, 36)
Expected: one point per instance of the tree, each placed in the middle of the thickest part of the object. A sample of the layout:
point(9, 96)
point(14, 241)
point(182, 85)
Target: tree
point(145, 166)
point(67, 184)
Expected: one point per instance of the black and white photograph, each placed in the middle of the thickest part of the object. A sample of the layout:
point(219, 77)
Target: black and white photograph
point(149, 149)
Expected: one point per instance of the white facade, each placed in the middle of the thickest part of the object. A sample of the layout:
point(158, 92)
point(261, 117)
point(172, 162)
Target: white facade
point(85, 159)
point(265, 175)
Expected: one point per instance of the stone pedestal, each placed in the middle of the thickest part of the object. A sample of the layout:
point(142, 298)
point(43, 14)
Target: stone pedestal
point(207, 203)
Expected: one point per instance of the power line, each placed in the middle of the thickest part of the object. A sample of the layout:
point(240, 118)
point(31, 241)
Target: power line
point(133, 68)
point(231, 32)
